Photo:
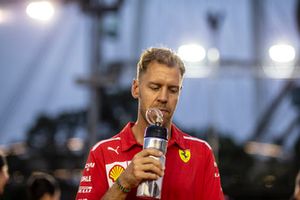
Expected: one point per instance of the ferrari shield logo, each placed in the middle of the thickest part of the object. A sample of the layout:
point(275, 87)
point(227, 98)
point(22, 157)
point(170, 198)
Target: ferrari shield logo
point(185, 155)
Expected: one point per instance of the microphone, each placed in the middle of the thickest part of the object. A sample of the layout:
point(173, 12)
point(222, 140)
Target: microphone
point(155, 137)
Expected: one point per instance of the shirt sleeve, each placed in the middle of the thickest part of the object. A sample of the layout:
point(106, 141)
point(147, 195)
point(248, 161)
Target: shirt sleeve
point(213, 189)
point(93, 183)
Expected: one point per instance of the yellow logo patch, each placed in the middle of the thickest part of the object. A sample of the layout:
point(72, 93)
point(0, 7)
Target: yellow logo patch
point(115, 172)
point(185, 155)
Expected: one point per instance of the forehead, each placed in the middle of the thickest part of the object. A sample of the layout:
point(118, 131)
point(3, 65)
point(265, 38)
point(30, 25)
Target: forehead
point(158, 71)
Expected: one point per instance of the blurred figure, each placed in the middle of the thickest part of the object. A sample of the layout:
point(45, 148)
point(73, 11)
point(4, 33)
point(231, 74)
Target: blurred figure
point(297, 188)
point(4, 176)
point(42, 186)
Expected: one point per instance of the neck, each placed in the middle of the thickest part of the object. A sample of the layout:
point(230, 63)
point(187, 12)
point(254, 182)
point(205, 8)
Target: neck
point(138, 130)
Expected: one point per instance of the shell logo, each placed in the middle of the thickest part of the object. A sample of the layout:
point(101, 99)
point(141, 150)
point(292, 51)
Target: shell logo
point(115, 172)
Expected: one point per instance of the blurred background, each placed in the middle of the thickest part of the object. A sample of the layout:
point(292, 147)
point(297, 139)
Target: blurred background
point(66, 67)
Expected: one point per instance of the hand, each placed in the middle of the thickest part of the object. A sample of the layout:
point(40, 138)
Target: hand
point(142, 167)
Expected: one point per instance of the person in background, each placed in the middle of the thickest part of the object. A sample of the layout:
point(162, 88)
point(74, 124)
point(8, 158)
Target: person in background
point(116, 166)
point(42, 186)
point(296, 195)
point(4, 175)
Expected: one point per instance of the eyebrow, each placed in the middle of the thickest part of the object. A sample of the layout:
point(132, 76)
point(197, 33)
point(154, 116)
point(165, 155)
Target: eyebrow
point(153, 83)
point(156, 83)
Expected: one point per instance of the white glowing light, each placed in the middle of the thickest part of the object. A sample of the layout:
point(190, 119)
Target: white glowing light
point(279, 71)
point(2, 18)
point(191, 53)
point(213, 55)
point(282, 53)
point(263, 149)
point(40, 10)
point(5, 16)
point(75, 144)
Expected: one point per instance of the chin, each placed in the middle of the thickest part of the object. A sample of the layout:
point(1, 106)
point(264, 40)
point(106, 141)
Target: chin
point(166, 123)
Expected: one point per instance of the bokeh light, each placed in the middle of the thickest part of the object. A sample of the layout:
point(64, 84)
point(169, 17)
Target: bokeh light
point(40, 10)
point(191, 52)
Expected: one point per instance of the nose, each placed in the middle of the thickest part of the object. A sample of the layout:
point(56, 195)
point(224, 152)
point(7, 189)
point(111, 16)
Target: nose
point(163, 95)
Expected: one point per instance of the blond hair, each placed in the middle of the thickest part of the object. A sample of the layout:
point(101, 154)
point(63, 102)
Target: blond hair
point(161, 55)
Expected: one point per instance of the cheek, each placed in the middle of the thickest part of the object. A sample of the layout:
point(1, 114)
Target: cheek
point(174, 101)
point(58, 197)
point(146, 98)
point(297, 191)
point(1, 184)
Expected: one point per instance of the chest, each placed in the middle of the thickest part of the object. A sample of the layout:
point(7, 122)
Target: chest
point(183, 171)
point(182, 174)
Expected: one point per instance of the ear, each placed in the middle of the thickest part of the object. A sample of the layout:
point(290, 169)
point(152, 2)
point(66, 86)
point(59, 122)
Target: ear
point(135, 89)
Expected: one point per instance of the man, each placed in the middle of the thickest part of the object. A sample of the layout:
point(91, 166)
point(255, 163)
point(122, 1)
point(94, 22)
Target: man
point(4, 176)
point(42, 186)
point(116, 166)
point(296, 195)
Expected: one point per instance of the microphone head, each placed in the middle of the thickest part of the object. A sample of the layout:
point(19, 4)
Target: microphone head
point(157, 132)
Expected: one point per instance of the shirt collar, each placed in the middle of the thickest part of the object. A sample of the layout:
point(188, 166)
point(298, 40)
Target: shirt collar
point(176, 137)
point(128, 140)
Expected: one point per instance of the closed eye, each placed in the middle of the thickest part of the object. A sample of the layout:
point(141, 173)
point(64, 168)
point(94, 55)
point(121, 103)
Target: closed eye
point(154, 87)
point(174, 90)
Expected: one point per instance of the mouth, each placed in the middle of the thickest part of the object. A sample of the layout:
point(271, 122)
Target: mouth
point(164, 111)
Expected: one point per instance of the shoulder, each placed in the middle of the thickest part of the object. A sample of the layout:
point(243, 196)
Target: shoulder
point(198, 146)
point(195, 141)
point(107, 142)
point(188, 140)
point(116, 140)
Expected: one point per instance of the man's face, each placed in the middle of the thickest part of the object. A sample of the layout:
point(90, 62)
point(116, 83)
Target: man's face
point(297, 187)
point(55, 196)
point(158, 87)
point(4, 176)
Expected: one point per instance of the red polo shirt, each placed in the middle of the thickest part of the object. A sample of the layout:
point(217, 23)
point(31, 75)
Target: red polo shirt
point(191, 171)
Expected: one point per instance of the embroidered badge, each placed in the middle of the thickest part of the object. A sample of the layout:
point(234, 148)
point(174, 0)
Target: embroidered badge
point(115, 172)
point(185, 155)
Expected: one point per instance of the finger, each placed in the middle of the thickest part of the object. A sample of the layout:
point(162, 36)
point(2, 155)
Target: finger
point(152, 169)
point(150, 152)
point(149, 160)
point(147, 175)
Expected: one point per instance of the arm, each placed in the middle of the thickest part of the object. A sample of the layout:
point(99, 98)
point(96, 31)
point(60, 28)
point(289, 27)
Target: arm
point(93, 182)
point(142, 167)
point(213, 189)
